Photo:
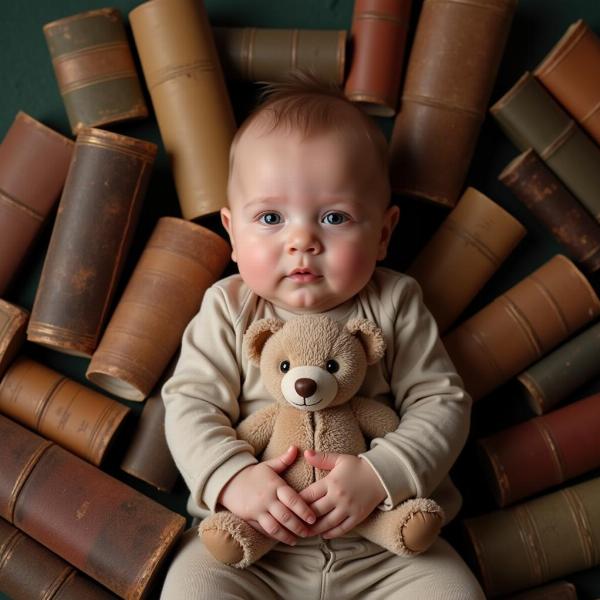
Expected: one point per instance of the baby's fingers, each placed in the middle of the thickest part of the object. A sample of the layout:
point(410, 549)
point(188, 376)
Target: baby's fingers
point(288, 519)
point(275, 530)
point(290, 498)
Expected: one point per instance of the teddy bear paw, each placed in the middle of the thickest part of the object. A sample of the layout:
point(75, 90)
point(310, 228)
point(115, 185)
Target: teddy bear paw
point(223, 546)
point(421, 530)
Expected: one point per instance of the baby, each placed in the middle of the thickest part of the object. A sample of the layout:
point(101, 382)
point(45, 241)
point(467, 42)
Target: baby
point(309, 216)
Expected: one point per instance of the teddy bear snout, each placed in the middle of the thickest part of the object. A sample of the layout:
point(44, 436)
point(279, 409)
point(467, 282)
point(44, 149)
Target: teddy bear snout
point(305, 387)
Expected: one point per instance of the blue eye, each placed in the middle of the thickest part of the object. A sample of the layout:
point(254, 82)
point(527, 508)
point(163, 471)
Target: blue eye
point(335, 218)
point(270, 218)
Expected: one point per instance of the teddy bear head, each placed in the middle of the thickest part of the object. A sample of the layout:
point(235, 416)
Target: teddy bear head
point(311, 361)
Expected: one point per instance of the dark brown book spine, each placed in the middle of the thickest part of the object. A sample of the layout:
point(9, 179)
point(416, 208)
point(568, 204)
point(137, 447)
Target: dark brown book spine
point(537, 541)
point(544, 451)
point(34, 161)
point(64, 411)
point(13, 323)
point(378, 39)
point(102, 527)
point(94, 69)
point(96, 220)
point(559, 590)
point(521, 325)
point(451, 70)
point(180, 261)
point(552, 204)
point(148, 457)
point(28, 570)
point(259, 54)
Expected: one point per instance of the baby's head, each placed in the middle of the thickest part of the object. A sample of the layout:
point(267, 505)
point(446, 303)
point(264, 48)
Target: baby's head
point(309, 199)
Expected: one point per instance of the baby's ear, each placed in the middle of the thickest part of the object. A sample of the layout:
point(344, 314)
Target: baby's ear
point(256, 337)
point(370, 336)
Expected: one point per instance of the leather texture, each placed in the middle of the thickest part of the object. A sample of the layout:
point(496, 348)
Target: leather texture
point(96, 220)
point(184, 77)
point(13, 325)
point(94, 69)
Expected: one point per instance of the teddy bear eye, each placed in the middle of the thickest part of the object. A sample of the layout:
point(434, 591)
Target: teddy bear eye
point(284, 366)
point(332, 366)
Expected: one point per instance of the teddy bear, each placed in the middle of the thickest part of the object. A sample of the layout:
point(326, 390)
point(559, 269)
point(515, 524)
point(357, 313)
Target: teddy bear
point(313, 367)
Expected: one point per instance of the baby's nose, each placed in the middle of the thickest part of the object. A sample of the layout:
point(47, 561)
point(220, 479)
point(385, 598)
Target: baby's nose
point(302, 240)
point(305, 387)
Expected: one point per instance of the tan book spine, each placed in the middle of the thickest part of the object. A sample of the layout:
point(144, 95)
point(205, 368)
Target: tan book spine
point(96, 220)
point(180, 261)
point(463, 254)
point(521, 325)
point(60, 409)
point(537, 541)
point(102, 527)
point(13, 325)
point(378, 39)
point(183, 74)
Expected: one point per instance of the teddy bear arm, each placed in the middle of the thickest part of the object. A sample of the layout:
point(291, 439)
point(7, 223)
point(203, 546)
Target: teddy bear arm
point(257, 428)
point(375, 418)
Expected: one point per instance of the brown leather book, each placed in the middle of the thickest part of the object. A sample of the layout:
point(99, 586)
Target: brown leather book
point(553, 205)
point(28, 570)
point(183, 74)
point(180, 261)
point(543, 452)
point(34, 160)
point(532, 118)
point(521, 325)
point(559, 374)
point(463, 254)
point(559, 590)
point(259, 54)
point(13, 324)
point(148, 457)
point(104, 528)
point(96, 221)
point(378, 40)
point(570, 73)
point(94, 69)
point(62, 410)
point(537, 541)
point(452, 66)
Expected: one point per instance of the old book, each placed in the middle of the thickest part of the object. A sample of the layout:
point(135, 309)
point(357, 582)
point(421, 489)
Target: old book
point(463, 254)
point(378, 40)
point(559, 590)
point(555, 377)
point(183, 74)
point(28, 570)
point(537, 541)
point(94, 69)
point(148, 457)
point(542, 452)
point(451, 70)
point(60, 409)
point(180, 261)
point(13, 325)
point(532, 118)
point(261, 54)
point(570, 72)
point(521, 325)
point(34, 161)
point(534, 184)
point(104, 528)
point(96, 221)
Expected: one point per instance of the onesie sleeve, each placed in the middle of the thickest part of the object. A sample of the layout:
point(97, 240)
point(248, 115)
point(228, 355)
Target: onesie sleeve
point(201, 403)
point(430, 399)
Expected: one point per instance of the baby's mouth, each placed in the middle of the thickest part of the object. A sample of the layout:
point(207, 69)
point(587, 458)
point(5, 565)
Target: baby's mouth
point(303, 275)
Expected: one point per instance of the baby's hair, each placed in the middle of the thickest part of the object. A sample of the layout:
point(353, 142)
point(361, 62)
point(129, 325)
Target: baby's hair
point(306, 105)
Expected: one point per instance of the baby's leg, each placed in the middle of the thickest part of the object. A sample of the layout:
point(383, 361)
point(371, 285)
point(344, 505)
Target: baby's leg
point(195, 575)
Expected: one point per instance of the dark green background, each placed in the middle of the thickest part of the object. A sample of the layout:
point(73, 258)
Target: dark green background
point(28, 84)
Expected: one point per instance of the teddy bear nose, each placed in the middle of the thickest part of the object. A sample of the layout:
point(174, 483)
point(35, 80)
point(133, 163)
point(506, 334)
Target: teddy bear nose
point(305, 387)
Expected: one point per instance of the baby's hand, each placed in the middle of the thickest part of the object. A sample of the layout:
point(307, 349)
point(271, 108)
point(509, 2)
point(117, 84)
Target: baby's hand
point(259, 496)
point(345, 496)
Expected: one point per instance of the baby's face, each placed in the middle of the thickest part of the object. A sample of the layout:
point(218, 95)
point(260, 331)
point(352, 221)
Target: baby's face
point(307, 218)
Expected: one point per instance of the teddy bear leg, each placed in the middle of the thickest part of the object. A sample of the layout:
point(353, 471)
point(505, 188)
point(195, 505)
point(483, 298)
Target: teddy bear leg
point(408, 529)
point(232, 541)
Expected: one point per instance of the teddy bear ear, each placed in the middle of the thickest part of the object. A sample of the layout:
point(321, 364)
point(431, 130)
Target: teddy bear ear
point(256, 337)
point(370, 336)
